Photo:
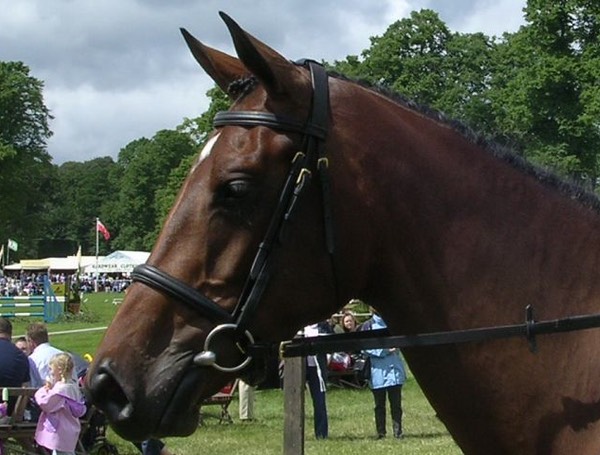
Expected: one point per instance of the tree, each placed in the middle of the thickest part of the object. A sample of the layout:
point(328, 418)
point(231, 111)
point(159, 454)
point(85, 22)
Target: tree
point(25, 168)
point(142, 169)
point(546, 85)
point(421, 59)
point(199, 127)
point(81, 191)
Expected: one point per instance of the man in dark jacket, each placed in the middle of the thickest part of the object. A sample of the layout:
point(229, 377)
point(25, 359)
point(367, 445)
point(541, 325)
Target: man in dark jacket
point(14, 366)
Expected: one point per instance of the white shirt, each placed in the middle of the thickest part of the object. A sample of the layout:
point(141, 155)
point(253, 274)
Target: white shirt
point(311, 331)
point(41, 356)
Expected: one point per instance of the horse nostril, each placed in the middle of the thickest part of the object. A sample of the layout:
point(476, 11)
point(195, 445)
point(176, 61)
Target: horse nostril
point(107, 394)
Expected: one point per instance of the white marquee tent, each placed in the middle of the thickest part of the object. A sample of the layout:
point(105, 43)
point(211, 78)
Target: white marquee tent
point(120, 261)
point(53, 264)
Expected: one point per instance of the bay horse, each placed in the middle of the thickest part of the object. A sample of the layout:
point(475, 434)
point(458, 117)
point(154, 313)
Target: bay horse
point(314, 189)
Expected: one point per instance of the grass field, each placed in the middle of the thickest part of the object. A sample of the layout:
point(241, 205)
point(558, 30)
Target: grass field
point(351, 421)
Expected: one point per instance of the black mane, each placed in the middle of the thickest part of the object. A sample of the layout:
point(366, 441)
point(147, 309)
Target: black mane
point(571, 189)
point(241, 87)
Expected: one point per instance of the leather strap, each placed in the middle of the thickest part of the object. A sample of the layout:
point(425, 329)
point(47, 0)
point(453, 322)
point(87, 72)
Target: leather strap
point(160, 281)
point(274, 121)
point(377, 339)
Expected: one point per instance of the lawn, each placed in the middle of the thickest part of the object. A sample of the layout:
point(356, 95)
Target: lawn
point(351, 420)
point(96, 312)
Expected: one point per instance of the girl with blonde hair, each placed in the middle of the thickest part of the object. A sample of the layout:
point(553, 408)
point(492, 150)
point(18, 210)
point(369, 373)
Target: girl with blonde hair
point(62, 405)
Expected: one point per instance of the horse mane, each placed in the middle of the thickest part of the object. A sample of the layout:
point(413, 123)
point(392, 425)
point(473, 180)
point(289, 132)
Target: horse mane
point(570, 188)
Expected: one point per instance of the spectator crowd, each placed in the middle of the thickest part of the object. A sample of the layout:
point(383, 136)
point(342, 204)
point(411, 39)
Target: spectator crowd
point(30, 283)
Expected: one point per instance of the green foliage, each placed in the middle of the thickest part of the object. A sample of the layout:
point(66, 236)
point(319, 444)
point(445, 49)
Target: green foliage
point(351, 428)
point(25, 169)
point(546, 86)
point(420, 58)
point(86, 316)
point(199, 128)
point(143, 168)
point(80, 192)
point(165, 196)
point(23, 115)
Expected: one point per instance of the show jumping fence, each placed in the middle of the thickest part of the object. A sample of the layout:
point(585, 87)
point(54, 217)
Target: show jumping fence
point(46, 306)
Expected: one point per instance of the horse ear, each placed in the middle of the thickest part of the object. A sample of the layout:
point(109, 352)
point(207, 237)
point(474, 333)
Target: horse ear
point(221, 67)
point(271, 68)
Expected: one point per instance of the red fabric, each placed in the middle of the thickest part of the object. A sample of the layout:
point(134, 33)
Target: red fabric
point(102, 229)
point(227, 388)
point(340, 361)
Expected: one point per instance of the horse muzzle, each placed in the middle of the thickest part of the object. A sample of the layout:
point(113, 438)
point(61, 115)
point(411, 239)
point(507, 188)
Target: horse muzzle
point(172, 414)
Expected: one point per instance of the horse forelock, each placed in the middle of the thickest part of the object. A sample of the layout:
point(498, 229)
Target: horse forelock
point(570, 188)
point(241, 87)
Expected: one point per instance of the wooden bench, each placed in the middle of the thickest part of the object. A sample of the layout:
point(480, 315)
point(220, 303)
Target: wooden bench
point(223, 399)
point(19, 431)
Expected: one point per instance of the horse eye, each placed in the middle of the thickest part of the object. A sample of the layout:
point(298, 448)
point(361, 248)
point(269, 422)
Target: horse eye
point(236, 189)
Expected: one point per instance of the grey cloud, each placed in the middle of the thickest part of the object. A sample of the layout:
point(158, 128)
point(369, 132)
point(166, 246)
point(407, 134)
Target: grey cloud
point(117, 70)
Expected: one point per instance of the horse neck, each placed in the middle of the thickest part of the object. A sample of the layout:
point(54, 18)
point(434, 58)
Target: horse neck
point(441, 235)
point(454, 230)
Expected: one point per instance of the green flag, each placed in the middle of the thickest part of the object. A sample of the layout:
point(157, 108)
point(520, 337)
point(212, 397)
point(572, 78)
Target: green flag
point(12, 245)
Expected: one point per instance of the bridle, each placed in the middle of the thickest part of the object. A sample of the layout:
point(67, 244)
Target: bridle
point(314, 132)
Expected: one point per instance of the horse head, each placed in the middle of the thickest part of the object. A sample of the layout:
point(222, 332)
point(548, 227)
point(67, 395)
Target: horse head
point(225, 270)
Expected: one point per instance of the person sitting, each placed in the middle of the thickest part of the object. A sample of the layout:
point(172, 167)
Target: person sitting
point(14, 367)
point(34, 375)
point(41, 350)
point(22, 344)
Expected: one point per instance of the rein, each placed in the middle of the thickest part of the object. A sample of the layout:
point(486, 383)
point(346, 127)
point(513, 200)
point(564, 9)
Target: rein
point(312, 156)
point(381, 338)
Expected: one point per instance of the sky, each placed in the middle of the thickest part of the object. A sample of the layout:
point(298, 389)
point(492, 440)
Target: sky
point(118, 70)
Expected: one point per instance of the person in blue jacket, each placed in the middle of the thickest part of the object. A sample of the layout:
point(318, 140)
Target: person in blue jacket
point(387, 377)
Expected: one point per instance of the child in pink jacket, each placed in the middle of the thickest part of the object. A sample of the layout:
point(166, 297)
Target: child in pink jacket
point(62, 405)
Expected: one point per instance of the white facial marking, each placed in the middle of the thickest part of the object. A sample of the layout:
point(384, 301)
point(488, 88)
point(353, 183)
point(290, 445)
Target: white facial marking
point(205, 153)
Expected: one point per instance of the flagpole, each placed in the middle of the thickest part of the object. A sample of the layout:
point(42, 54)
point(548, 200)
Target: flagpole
point(97, 248)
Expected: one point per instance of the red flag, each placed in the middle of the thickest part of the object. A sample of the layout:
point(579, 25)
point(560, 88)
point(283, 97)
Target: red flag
point(102, 229)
